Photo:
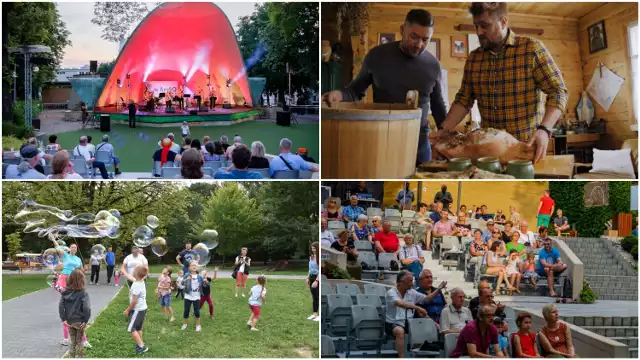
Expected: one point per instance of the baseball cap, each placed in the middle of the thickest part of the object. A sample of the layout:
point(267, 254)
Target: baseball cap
point(302, 150)
point(28, 152)
point(489, 221)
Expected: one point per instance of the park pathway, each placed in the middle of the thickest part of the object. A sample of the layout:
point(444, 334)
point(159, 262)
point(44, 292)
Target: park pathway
point(31, 326)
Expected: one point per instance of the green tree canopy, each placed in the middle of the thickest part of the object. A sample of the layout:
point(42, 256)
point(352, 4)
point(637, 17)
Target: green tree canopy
point(118, 18)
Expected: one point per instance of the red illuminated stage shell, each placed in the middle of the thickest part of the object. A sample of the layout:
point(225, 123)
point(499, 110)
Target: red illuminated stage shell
point(201, 41)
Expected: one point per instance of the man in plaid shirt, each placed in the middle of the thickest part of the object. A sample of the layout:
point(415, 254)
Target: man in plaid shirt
point(506, 76)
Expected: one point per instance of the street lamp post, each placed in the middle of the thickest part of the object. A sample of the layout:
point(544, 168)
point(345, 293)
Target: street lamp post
point(28, 51)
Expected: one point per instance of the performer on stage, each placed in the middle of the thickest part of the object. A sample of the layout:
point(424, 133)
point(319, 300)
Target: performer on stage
point(181, 97)
point(132, 114)
point(212, 98)
point(200, 93)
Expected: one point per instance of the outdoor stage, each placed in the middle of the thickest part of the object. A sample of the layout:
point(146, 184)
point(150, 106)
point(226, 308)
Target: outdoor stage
point(204, 118)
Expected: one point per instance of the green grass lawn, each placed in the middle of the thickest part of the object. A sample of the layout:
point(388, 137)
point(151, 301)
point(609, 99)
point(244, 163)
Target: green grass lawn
point(135, 153)
point(284, 330)
point(157, 269)
point(18, 285)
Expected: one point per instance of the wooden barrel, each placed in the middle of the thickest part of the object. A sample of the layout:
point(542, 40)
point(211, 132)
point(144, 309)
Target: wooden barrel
point(369, 141)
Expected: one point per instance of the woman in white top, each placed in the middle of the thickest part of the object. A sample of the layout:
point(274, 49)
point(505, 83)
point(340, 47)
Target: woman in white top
point(62, 168)
point(131, 261)
point(492, 266)
point(242, 264)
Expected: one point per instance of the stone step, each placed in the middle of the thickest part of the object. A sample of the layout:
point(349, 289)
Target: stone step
point(611, 267)
point(602, 321)
point(590, 255)
point(613, 284)
point(618, 297)
point(587, 246)
point(603, 291)
point(633, 353)
point(631, 342)
point(613, 331)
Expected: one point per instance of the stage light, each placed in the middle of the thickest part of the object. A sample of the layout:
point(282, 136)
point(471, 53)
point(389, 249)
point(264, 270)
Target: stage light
point(208, 76)
point(128, 76)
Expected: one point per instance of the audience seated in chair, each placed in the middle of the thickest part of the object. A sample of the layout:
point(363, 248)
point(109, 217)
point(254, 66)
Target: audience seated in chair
point(526, 236)
point(351, 212)
point(550, 264)
point(53, 145)
point(555, 336)
point(523, 341)
point(286, 161)
point(237, 140)
point(435, 300)
point(387, 241)
point(485, 297)
point(454, 316)
point(477, 249)
point(435, 213)
point(462, 225)
point(421, 218)
point(482, 215)
point(360, 230)
point(503, 341)
point(62, 167)
point(411, 256)
point(496, 237)
point(83, 150)
point(191, 165)
point(165, 154)
point(240, 157)
point(258, 161)
point(560, 223)
point(332, 212)
point(30, 158)
point(491, 265)
point(213, 151)
point(107, 147)
point(326, 236)
point(444, 227)
point(479, 335)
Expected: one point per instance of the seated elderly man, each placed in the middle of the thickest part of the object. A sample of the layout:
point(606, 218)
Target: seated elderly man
point(435, 214)
point(106, 146)
point(488, 232)
point(435, 300)
point(351, 212)
point(240, 157)
point(560, 222)
point(25, 170)
point(455, 316)
point(402, 302)
point(444, 227)
point(485, 297)
point(478, 336)
point(410, 256)
point(326, 236)
point(173, 147)
point(526, 236)
point(550, 264)
point(386, 241)
point(83, 150)
point(237, 140)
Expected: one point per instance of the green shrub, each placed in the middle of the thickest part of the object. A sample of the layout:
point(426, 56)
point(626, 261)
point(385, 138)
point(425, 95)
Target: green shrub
point(332, 271)
point(9, 142)
point(18, 110)
point(628, 242)
point(634, 252)
point(587, 296)
point(19, 131)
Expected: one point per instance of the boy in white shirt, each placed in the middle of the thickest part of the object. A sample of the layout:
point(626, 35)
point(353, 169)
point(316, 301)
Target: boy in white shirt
point(137, 303)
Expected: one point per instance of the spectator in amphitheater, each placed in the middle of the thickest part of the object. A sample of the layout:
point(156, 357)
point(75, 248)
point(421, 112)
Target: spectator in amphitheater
point(32, 141)
point(405, 197)
point(360, 230)
point(514, 217)
point(288, 161)
point(191, 165)
point(503, 342)
point(463, 226)
point(444, 227)
point(210, 152)
point(326, 236)
point(463, 208)
point(62, 168)
point(91, 147)
point(387, 241)
point(82, 150)
point(350, 213)
point(106, 146)
point(186, 145)
point(421, 217)
point(401, 304)
point(550, 264)
point(523, 341)
point(478, 336)
point(195, 144)
point(444, 197)
point(455, 316)
point(346, 245)
point(165, 153)
point(555, 336)
point(514, 244)
point(410, 256)
point(500, 217)
point(174, 147)
point(560, 223)
point(526, 236)
point(30, 158)
point(477, 249)
point(304, 154)
point(206, 139)
point(240, 158)
point(508, 230)
point(514, 264)
point(491, 265)
point(483, 214)
point(332, 212)
point(53, 145)
point(435, 214)
point(485, 297)
point(224, 140)
point(488, 232)
point(545, 209)
point(376, 225)
point(237, 140)
point(258, 160)
point(496, 237)
point(435, 300)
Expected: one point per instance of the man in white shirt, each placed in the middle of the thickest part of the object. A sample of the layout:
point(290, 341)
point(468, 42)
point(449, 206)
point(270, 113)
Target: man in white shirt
point(106, 146)
point(526, 236)
point(82, 149)
point(131, 261)
point(455, 316)
point(326, 236)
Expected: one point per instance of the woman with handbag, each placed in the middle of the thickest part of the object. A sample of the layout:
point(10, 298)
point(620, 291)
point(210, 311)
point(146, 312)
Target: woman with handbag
point(241, 270)
point(313, 282)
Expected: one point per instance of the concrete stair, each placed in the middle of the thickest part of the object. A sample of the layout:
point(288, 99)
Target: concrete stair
point(617, 328)
point(604, 269)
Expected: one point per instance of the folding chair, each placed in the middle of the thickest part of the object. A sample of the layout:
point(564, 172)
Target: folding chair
point(369, 258)
point(105, 157)
point(335, 225)
point(286, 174)
point(450, 341)
point(170, 172)
point(215, 165)
point(421, 330)
point(373, 300)
point(349, 289)
point(339, 317)
point(363, 246)
point(80, 167)
point(263, 172)
point(368, 332)
point(326, 347)
point(378, 290)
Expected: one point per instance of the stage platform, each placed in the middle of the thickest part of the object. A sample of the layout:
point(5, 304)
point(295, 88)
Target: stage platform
point(202, 118)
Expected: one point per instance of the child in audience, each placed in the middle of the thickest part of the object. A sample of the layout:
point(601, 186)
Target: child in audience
point(523, 342)
point(185, 130)
point(529, 269)
point(513, 270)
point(206, 290)
point(137, 303)
point(192, 293)
point(117, 276)
point(164, 292)
point(503, 341)
point(179, 284)
point(75, 311)
point(256, 300)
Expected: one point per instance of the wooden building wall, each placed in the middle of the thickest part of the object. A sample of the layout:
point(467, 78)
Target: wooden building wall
point(617, 17)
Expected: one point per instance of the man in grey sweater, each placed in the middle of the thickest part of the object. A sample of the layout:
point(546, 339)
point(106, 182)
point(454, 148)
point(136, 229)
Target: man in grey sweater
point(397, 67)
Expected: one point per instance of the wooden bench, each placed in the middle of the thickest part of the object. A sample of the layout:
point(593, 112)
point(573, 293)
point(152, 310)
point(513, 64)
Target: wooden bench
point(11, 266)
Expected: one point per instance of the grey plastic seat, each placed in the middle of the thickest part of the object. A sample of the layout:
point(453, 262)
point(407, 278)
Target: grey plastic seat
point(369, 332)
point(209, 171)
point(263, 172)
point(408, 214)
point(396, 225)
point(374, 211)
point(392, 214)
point(157, 167)
point(373, 300)
point(215, 165)
point(421, 330)
point(80, 167)
point(286, 174)
point(335, 232)
point(323, 278)
point(379, 290)
point(384, 261)
point(327, 350)
point(47, 169)
point(325, 289)
point(305, 174)
point(50, 152)
point(105, 158)
point(450, 341)
point(362, 245)
point(349, 289)
point(170, 172)
point(339, 311)
point(369, 258)
point(335, 225)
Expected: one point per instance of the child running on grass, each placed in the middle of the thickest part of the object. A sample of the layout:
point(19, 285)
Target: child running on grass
point(193, 283)
point(180, 284)
point(164, 290)
point(75, 311)
point(256, 300)
point(206, 290)
point(185, 130)
point(137, 303)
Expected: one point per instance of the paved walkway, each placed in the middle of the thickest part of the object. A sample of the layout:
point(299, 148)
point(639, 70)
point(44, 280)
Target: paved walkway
point(222, 274)
point(31, 326)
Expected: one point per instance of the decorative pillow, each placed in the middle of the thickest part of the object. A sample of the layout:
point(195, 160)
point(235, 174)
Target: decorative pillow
point(613, 162)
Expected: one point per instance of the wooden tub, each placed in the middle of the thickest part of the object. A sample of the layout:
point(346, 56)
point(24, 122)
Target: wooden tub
point(369, 141)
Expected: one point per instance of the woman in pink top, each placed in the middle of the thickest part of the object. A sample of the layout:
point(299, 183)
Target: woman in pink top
point(164, 292)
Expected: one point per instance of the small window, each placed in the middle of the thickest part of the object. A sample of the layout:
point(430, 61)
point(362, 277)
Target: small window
point(635, 78)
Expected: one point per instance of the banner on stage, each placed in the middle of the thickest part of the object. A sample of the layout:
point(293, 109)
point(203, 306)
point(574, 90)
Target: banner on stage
point(162, 87)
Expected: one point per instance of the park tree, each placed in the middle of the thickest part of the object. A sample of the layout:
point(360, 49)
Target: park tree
point(105, 68)
point(118, 19)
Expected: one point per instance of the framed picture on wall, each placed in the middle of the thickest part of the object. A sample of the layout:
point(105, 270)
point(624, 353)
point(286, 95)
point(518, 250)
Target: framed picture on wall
point(384, 38)
point(597, 37)
point(459, 46)
point(434, 48)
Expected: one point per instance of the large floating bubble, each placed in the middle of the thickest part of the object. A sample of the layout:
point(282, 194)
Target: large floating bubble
point(50, 279)
point(209, 238)
point(98, 249)
point(115, 212)
point(51, 258)
point(62, 242)
point(152, 221)
point(159, 246)
point(203, 252)
point(142, 236)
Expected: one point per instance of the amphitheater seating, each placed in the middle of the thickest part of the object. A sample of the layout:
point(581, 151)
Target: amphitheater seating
point(421, 330)
point(349, 289)
point(450, 341)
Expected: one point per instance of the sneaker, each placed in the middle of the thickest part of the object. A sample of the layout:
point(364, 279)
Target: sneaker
point(172, 319)
point(91, 283)
point(243, 295)
point(141, 349)
point(311, 317)
point(236, 295)
point(64, 342)
point(211, 317)
point(118, 172)
point(198, 328)
point(117, 285)
point(254, 329)
point(317, 318)
point(184, 327)
point(87, 345)
point(97, 284)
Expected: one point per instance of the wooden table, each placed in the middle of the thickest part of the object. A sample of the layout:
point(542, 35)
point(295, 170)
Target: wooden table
point(555, 167)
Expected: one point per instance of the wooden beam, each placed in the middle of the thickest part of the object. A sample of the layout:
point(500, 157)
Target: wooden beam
point(517, 30)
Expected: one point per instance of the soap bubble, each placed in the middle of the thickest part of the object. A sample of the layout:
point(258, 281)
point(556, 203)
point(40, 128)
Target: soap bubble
point(152, 221)
point(51, 258)
point(65, 248)
point(210, 239)
point(159, 246)
point(62, 242)
point(98, 249)
point(50, 280)
point(115, 212)
point(203, 251)
point(142, 236)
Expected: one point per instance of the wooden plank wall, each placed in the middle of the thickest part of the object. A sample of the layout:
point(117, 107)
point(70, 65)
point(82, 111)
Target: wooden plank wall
point(617, 17)
point(560, 37)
